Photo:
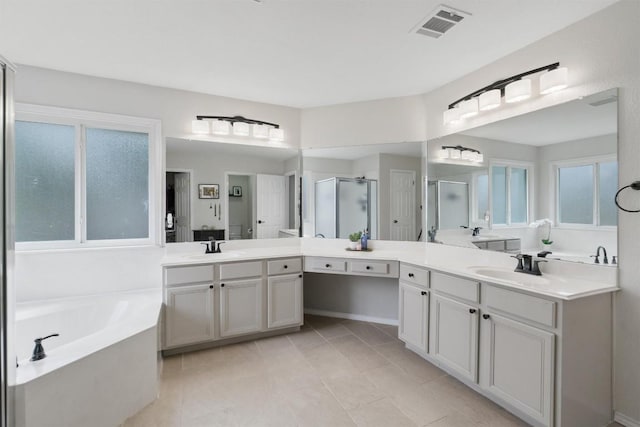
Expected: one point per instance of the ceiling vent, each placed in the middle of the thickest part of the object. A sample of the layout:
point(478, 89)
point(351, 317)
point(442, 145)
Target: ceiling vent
point(439, 21)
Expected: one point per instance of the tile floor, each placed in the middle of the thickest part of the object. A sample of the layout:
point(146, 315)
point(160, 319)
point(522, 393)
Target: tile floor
point(333, 373)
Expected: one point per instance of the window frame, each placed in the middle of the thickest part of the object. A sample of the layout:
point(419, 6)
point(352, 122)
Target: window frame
point(555, 202)
point(530, 168)
point(82, 120)
point(476, 217)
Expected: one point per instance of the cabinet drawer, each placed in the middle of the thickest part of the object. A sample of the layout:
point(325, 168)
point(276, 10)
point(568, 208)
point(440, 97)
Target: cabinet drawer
point(381, 268)
point(192, 274)
point(240, 269)
point(455, 286)
point(521, 305)
point(512, 245)
point(416, 275)
point(497, 245)
point(284, 266)
point(325, 264)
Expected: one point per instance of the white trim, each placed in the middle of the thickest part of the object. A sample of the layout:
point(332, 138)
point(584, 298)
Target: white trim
point(625, 420)
point(81, 120)
point(351, 316)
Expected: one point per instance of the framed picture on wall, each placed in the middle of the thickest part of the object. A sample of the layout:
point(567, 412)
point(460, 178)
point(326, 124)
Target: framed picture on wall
point(237, 191)
point(208, 191)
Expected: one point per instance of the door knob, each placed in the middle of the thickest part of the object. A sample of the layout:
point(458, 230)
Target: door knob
point(260, 221)
point(395, 221)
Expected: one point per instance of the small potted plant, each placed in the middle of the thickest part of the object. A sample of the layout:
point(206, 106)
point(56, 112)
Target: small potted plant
point(354, 240)
point(546, 242)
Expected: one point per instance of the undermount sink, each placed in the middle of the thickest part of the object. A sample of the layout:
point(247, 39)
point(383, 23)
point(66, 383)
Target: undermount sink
point(510, 275)
point(217, 256)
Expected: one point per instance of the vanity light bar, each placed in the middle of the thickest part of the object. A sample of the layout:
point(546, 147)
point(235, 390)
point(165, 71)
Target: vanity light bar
point(238, 126)
point(513, 89)
point(460, 153)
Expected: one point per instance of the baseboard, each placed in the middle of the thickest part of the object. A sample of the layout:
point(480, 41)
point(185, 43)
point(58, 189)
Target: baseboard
point(625, 420)
point(351, 316)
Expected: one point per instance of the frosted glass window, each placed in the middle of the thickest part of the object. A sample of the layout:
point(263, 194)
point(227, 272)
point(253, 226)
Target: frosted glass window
point(607, 185)
point(45, 182)
point(518, 195)
point(117, 184)
point(482, 196)
point(499, 194)
point(576, 194)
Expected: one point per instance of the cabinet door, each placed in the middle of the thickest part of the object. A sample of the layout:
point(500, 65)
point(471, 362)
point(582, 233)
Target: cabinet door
point(284, 301)
point(189, 316)
point(240, 307)
point(517, 365)
point(414, 315)
point(454, 335)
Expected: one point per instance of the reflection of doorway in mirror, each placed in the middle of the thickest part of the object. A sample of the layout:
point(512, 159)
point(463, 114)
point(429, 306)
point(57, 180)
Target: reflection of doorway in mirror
point(271, 208)
point(240, 212)
point(177, 212)
point(403, 205)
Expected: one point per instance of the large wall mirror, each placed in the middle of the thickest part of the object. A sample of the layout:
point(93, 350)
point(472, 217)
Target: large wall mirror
point(374, 187)
point(230, 191)
point(546, 181)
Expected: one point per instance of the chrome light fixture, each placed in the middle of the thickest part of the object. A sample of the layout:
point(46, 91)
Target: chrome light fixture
point(513, 89)
point(238, 126)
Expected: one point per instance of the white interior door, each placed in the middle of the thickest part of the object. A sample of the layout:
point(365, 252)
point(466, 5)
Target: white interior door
point(403, 205)
point(271, 205)
point(182, 194)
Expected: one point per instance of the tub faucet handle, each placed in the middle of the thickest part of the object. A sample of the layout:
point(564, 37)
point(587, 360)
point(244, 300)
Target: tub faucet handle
point(38, 351)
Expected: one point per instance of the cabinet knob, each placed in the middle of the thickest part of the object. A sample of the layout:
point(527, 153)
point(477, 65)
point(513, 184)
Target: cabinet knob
point(327, 265)
point(368, 267)
point(210, 286)
point(485, 316)
point(472, 310)
point(300, 276)
point(423, 293)
point(285, 266)
point(222, 285)
point(410, 274)
point(395, 221)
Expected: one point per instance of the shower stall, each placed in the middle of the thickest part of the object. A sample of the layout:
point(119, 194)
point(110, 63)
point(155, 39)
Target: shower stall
point(346, 205)
point(447, 204)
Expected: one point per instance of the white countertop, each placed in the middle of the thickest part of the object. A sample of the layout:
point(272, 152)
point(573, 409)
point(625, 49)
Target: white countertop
point(561, 280)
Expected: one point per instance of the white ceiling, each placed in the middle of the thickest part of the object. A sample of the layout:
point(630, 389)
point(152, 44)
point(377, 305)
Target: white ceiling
point(300, 53)
point(570, 121)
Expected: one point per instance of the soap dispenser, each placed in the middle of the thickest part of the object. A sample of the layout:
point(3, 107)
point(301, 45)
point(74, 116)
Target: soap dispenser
point(363, 239)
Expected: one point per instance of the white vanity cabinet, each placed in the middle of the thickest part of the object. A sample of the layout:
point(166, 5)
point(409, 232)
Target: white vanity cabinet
point(414, 307)
point(284, 293)
point(213, 302)
point(517, 365)
point(454, 335)
point(240, 306)
point(189, 306)
point(240, 298)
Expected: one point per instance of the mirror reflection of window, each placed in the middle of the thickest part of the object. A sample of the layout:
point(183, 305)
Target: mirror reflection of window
point(509, 195)
point(585, 193)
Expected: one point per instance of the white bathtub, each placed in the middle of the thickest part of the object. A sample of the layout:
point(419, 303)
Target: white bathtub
point(99, 371)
